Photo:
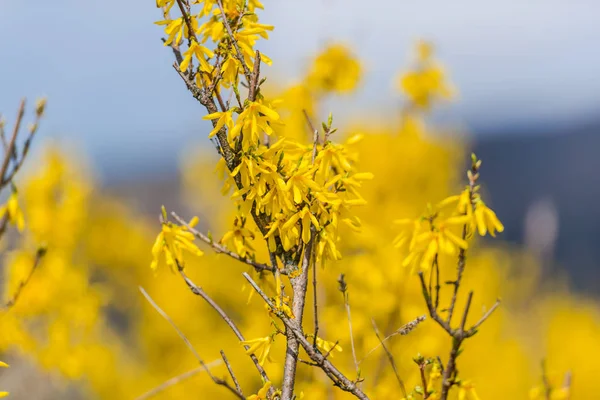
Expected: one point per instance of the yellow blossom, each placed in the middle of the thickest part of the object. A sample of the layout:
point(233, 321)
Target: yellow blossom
point(223, 119)
point(12, 209)
point(336, 69)
point(239, 239)
point(200, 52)
point(260, 347)
point(466, 391)
point(171, 242)
point(262, 393)
point(327, 347)
point(486, 220)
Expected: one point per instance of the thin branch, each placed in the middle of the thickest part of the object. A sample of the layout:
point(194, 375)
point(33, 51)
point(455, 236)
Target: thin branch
point(36, 262)
point(175, 380)
point(12, 143)
point(423, 380)
point(485, 316)
point(200, 292)
point(390, 358)
point(220, 248)
point(349, 317)
point(216, 380)
point(402, 331)
point(235, 381)
point(326, 366)
point(432, 311)
point(466, 312)
point(253, 89)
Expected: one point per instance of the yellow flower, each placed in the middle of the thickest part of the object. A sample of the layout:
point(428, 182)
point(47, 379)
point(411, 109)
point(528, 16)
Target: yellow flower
point(15, 215)
point(336, 69)
point(260, 347)
point(224, 119)
point(486, 220)
point(252, 122)
point(171, 242)
point(426, 244)
point(3, 365)
point(200, 52)
point(326, 347)
point(427, 81)
point(262, 393)
point(466, 390)
point(238, 239)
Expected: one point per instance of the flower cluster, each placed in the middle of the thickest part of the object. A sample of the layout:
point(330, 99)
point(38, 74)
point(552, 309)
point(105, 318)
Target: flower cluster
point(293, 190)
point(435, 231)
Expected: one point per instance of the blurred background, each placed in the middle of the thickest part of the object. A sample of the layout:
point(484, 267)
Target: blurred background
point(528, 105)
point(527, 75)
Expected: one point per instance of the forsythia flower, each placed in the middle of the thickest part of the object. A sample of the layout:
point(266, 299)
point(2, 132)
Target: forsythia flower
point(254, 120)
point(486, 219)
point(262, 393)
point(427, 81)
point(171, 241)
point(200, 52)
point(466, 390)
point(239, 239)
point(15, 215)
point(335, 70)
point(3, 365)
point(260, 347)
point(327, 347)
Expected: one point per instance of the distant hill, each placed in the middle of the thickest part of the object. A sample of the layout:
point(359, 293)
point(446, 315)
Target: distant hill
point(561, 165)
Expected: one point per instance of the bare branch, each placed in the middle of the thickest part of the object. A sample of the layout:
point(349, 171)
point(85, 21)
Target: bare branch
point(390, 358)
point(175, 380)
point(485, 316)
point(235, 381)
point(403, 331)
point(220, 248)
point(216, 380)
point(200, 292)
point(36, 262)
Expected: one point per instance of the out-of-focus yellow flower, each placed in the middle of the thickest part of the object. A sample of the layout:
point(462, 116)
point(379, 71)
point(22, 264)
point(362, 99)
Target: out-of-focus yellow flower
point(336, 69)
point(426, 82)
point(15, 215)
point(260, 347)
point(466, 391)
point(3, 365)
point(171, 241)
point(262, 392)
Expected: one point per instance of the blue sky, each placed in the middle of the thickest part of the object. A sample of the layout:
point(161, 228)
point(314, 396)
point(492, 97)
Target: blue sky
point(112, 91)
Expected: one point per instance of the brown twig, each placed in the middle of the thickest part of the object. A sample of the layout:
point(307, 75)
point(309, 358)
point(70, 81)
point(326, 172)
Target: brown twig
point(200, 292)
point(36, 262)
point(324, 364)
point(403, 330)
point(175, 380)
point(12, 143)
point(299, 286)
point(216, 380)
point(218, 248)
point(235, 381)
point(390, 358)
point(424, 381)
